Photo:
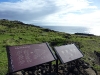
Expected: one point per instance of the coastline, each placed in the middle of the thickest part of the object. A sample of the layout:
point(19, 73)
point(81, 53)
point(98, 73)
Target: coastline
point(77, 30)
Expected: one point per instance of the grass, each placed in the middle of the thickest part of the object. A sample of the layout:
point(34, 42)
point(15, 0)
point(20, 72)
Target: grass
point(18, 33)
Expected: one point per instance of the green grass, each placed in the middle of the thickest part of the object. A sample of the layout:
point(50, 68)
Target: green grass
point(18, 33)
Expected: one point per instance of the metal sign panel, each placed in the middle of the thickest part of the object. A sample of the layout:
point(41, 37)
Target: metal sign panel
point(68, 53)
point(26, 56)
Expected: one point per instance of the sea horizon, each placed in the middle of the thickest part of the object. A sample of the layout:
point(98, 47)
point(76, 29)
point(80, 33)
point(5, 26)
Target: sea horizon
point(75, 29)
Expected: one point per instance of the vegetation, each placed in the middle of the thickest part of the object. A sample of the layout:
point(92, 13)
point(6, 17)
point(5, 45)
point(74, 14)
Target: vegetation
point(18, 33)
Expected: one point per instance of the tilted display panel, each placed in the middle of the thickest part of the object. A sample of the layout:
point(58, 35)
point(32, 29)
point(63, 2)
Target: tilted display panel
point(68, 53)
point(25, 56)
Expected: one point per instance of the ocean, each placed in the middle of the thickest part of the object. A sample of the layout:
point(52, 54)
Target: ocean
point(75, 29)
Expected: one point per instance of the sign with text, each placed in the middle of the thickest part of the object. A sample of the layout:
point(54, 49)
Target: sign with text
point(68, 53)
point(26, 56)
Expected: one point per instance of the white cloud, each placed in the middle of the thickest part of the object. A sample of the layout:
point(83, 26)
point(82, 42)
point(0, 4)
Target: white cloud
point(26, 10)
point(22, 5)
point(52, 12)
point(68, 17)
point(74, 5)
point(88, 19)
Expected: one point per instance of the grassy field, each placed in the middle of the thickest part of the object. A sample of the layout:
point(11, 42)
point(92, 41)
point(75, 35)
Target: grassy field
point(18, 33)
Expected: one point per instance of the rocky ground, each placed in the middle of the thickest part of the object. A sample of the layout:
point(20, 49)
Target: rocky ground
point(72, 68)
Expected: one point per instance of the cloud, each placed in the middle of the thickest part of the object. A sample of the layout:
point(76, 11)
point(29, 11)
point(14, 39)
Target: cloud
point(51, 12)
point(88, 19)
point(78, 13)
point(26, 9)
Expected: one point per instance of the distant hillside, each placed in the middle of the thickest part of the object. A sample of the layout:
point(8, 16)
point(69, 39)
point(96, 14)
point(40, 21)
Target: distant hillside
point(19, 33)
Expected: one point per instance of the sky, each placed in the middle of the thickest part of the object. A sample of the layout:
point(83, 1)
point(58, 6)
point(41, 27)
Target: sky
point(52, 12)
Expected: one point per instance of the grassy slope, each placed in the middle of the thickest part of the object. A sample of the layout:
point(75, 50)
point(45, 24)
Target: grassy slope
point(18, 33)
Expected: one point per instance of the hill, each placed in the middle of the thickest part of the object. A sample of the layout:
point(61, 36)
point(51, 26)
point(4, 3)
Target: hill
point(19, 33)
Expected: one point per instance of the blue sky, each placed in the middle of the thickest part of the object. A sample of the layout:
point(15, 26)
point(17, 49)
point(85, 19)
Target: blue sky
point(4, 0)
point(52, 12)
point(8, 0)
